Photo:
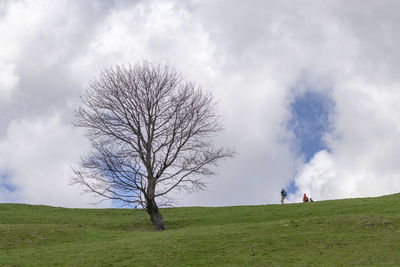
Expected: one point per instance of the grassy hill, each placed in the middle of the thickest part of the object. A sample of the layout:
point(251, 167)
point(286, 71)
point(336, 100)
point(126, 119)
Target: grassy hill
point(340, 232)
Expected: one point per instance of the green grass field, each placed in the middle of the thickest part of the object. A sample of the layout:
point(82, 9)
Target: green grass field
point(340, 232)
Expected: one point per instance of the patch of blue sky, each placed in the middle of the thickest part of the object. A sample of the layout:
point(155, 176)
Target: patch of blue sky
point(311, 118)
point(119, 204)
point(291, 188)
point(122, 191)
point(5, 183)
point(7, 188)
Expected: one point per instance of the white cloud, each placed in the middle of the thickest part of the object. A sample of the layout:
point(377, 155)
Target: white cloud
point(249, 54)
point(365, 145)
point(8, 81)
point(149, 30)
point(37, 157)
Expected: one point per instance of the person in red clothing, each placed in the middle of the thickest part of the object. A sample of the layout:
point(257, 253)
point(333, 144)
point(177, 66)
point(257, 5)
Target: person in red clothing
point(305, 198)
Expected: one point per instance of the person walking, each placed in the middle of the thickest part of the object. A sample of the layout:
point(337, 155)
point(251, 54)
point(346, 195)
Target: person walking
point(305, 198)
point(283, 195)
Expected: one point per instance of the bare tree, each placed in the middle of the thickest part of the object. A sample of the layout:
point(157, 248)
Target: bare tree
point(151, 132)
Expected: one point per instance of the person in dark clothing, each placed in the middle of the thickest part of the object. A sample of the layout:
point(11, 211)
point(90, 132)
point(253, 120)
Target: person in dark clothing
point(283, 196)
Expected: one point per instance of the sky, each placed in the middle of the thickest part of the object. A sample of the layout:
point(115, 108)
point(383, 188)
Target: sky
point(308, 91)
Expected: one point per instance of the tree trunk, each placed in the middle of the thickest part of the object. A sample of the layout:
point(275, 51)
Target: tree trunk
point(155, 216)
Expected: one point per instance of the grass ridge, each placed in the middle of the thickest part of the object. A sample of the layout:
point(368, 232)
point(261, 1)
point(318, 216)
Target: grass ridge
point(359, 231)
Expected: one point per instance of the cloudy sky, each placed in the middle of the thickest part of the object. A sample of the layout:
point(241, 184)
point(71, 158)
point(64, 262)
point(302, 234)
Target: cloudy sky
point(309, 91)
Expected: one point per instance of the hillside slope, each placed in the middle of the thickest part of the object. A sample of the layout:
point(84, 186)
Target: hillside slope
point(340, 232)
